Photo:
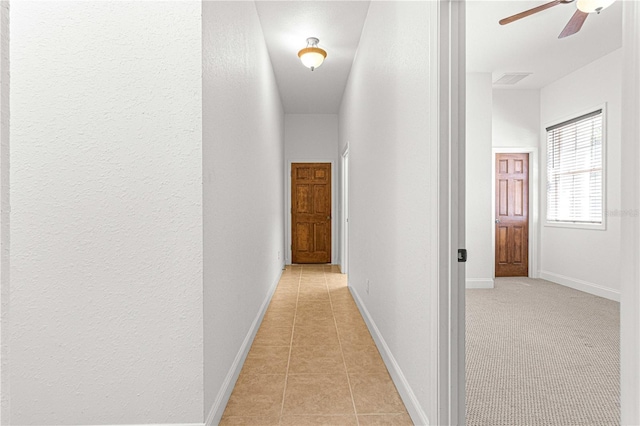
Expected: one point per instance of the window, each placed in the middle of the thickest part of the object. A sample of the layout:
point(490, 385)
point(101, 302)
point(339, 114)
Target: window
point(575, 190)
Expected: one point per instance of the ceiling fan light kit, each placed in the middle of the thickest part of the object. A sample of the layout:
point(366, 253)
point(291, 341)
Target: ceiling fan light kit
point(583, 9)
point(591, 6)
point(312, 56)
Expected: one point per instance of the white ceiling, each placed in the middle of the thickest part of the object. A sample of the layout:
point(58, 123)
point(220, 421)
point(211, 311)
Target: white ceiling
point(528, 45)
point(532, 45)
point(287, 25)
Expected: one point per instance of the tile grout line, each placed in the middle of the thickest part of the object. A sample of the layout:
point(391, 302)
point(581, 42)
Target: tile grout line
point(286, 374)
point(344, 362)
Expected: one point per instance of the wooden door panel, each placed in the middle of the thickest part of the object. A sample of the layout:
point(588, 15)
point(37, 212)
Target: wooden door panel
point(320, 199)
point(320, 237)
point(503, 166)
point(303, 199)
point(303, 237)
point(518, 166)
point(518, 239)
point(512, 215)
point(303, 173)
point(518, 197)
point(501, 245)
point(320, 174)
point(311, 212)
point(503, 197)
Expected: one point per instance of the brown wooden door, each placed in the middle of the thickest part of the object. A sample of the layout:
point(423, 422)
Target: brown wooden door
point(512, 215)
point(311, 212)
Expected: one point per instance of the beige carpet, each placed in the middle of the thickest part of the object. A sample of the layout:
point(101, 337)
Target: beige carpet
point(541, 354)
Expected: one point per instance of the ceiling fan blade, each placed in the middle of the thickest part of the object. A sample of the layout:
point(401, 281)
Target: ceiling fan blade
point(529, 12)
point(574, 24)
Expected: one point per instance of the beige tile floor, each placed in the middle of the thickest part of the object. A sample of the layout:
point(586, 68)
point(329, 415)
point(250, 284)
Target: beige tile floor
point(313, 361)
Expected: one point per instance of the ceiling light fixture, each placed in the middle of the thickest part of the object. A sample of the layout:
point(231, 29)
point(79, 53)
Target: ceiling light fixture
point(312, 56)
point(591, 6)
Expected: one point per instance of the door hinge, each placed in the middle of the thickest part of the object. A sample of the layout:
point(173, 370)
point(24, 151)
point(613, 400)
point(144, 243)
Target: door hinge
point(462, 255)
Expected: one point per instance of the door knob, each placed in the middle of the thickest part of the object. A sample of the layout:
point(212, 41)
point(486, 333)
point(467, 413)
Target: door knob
point(497, 220)
point(328, 217)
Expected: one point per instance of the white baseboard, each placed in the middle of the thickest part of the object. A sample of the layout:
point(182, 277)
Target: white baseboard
point(480, 283)
point(414, 409)
point(215, 413)
point(587, 287)
point(162, 424)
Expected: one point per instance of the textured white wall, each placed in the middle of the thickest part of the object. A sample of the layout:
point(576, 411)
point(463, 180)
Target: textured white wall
point(586, 259)
point(516, 118)
point(479, 206)
point(243, 160)
point(106, 220)
point(393, 189)
point(312, 137)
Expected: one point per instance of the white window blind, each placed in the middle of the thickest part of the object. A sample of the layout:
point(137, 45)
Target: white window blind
point(574, 170)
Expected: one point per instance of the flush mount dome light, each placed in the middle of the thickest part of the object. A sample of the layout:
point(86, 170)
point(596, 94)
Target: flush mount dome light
point(591, 6)
point(312, 56)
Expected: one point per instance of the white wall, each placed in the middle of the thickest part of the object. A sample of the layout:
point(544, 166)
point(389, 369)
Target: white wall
point(479, 206)
point(312, 138)
point(516, 118)
point(106, 214)
point(393, 196)
point(243, 157)
point(587, 259)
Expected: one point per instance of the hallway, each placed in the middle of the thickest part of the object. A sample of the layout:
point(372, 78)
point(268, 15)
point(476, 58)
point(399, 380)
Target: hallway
point(313, 360)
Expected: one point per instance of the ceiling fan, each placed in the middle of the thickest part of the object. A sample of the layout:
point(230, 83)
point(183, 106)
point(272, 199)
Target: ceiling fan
point(584, 8)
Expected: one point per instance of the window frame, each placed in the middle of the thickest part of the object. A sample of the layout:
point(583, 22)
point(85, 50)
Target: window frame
point(568, 224)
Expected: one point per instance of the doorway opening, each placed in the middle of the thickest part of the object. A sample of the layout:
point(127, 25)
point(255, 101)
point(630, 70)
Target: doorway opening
point(512, 214)
point(533, 192)
point(516, 118)
point(311, 210)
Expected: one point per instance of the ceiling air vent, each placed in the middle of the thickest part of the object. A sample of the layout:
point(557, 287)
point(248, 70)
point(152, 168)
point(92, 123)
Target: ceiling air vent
point(511, 78)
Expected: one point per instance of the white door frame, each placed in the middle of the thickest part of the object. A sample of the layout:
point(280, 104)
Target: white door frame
point(5, 208)
point(448, 122)
point(344, 176)
point(534, 200)
point(630, 274)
